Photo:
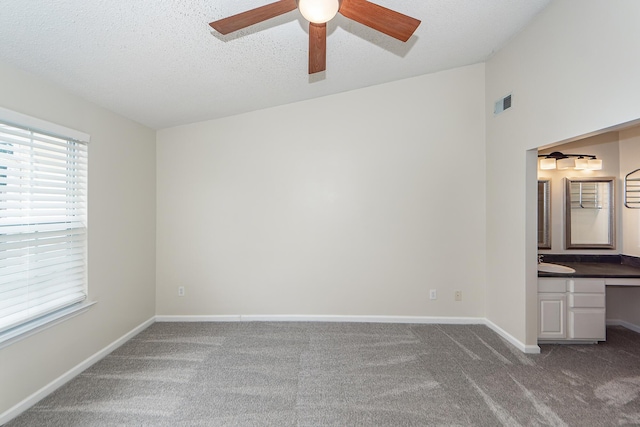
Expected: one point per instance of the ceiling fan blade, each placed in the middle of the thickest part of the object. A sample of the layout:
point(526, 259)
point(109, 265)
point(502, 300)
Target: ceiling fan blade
point(380, 18)
point(253, 16)
point(317, 47)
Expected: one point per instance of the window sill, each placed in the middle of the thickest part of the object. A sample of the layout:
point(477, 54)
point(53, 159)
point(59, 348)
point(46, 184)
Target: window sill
point(21, 332)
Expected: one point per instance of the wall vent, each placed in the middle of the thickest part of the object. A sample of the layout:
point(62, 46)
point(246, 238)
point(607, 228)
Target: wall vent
point(502, 104)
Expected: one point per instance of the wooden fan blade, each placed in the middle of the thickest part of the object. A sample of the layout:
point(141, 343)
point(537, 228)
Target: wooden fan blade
point(380, 18)
point(253, 16)
point(317, 47)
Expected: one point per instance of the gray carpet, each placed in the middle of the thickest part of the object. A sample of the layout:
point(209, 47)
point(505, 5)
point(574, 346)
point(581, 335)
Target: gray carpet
point(347, 374)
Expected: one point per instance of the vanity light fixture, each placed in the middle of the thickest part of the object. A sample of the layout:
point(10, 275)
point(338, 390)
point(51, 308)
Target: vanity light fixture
point(558, 160)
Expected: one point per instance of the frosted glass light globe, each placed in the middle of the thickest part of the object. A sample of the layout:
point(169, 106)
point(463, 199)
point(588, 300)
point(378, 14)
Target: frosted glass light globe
point(595, 164)
point(582, 163)
point(547, 163)
point(318, 11)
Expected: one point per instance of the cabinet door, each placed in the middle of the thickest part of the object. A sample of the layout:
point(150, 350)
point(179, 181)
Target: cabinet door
point(587, 323)
point(552, 309)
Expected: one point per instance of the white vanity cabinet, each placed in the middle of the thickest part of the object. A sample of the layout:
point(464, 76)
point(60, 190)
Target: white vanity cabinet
point(552, 309)
point(571, 309)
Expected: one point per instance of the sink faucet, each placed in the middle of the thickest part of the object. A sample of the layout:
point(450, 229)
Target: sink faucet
point(540, 259)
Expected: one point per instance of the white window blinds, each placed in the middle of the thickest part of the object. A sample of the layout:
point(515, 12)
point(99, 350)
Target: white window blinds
point(43, 224)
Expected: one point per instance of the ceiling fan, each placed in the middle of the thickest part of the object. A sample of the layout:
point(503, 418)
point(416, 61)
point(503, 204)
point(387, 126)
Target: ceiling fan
point(318, 13)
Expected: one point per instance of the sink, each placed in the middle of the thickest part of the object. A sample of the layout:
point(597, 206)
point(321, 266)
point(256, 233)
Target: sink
point(554, 268)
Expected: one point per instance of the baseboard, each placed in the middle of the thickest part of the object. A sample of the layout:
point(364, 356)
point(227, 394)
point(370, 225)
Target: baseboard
point(529, 349)
point(624, 323)
point(324, 318)
point(198, 318)
point(22, 406)
point(364, 319)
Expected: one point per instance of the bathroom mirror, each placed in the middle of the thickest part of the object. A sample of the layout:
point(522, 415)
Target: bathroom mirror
point(544, 209)
point(590, 213)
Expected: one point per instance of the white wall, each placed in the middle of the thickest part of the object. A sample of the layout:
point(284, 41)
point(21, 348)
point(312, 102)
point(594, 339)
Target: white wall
point(351, 204)
point(571, 72)
point(121, 252)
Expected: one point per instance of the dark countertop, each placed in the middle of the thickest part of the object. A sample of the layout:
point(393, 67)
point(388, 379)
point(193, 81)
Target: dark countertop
point(595, 266)
point(596, 269)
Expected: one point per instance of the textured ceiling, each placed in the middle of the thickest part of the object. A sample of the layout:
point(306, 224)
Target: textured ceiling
point(158, 62)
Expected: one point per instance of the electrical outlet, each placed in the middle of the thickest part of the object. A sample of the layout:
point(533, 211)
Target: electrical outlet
point(457, 295)
point(180, 291)
point(433, 294)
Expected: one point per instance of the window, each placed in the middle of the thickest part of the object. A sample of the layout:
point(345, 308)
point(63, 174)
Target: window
point(43, 221)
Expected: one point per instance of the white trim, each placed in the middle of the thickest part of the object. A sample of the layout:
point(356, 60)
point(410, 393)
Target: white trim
point(23, 120)
point(200, 318)
point(26, 330)
point(323, 318)
point(529, 349)
point(624, 323)
point(22, 406)
point(363, 319)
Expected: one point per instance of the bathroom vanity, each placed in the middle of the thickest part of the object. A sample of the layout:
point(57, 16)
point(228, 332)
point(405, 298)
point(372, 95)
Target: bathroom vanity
point(573, 287)
point(571, 306)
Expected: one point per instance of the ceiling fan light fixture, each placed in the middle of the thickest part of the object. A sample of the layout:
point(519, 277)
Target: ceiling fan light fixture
point(318, 11)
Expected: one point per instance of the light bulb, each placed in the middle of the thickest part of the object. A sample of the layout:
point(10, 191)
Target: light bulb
point(318, 11)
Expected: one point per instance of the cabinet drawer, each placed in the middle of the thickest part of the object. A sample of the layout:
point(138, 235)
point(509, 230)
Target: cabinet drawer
point(586, 285)
point(586, 300)
point(588, 324)
point(552, 285)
